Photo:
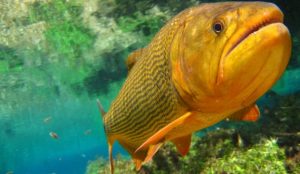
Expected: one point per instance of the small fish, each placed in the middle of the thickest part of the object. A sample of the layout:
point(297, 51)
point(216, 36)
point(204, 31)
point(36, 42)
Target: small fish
point(47, 119)
point(53, 135)
point(208, 63)
point(9, 172)
point(88, 131)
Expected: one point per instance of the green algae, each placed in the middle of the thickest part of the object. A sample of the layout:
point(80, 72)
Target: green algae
point(147, 24)
point(207, 157)
point(9, 60)
point(67, 40)
point(122, 166)
point(262, 158)
point(66, 34)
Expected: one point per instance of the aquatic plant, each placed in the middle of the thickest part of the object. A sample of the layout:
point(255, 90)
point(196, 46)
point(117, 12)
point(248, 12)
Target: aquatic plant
point(145, 18)
point(65, 33)
point(67, 40)
point(262, 158)
point(9, 60)
point(127, 8)
point(213, 145)
point(100, 166)
point(148, 24)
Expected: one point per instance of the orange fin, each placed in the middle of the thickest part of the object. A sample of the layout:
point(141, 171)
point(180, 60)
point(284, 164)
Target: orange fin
point(159, 136)
point(133, 57)
point(183, 144)
point(138, 157)
point(152, 151)
point(250, 113)
point(138, 163)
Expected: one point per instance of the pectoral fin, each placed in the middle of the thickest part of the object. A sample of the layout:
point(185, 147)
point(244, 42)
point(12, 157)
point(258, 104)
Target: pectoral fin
point(159, 136)
point(183, 144)
point(138, 157)
point(141, 156)
point(250, 113)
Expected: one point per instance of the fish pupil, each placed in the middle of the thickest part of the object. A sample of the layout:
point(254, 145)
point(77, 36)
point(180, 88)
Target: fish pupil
point(218, 27)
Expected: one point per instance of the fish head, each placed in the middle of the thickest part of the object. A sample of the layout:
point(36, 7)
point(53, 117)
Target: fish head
point(224, 56)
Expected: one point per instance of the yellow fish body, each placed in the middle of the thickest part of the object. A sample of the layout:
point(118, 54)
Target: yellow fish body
point(208, 63)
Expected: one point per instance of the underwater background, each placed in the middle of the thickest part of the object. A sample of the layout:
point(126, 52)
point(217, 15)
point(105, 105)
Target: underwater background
point(58, 56)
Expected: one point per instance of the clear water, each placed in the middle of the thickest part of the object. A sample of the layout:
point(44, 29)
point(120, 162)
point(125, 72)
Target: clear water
point(50, 80)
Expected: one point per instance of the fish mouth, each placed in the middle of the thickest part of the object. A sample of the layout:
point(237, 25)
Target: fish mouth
point(253, 30)
point(250, 28)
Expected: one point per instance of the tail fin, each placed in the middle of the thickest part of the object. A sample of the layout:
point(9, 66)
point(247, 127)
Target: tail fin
point(101, 108)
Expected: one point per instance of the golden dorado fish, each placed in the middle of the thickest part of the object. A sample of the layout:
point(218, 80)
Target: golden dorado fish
point(208, 63)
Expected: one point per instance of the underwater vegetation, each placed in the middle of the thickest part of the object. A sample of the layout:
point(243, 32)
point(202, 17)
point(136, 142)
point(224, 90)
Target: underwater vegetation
point(66, 37)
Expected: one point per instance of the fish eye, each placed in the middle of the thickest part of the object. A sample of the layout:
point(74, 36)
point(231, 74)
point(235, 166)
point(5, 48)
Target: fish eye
point(218, 27)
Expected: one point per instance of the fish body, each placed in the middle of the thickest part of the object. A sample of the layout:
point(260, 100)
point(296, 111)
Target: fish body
point(47, 119)
point(53, 135)
point(208, 63)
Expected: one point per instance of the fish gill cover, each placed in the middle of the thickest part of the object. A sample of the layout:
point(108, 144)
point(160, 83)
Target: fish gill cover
point(57, 56)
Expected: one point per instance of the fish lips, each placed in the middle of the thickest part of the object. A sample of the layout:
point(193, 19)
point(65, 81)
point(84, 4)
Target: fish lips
point(253, 65)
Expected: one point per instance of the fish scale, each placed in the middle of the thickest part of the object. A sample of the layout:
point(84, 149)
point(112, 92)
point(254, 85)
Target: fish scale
point(139, 103)
point(138, 100)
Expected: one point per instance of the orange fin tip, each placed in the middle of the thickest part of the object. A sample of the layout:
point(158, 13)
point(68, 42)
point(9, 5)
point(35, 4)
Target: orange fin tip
point(183, 144)
point(152, 151)
point(138, 164)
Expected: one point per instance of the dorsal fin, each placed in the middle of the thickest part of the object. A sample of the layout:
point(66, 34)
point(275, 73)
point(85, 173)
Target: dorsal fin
point(100, 107)
point(133, 58)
